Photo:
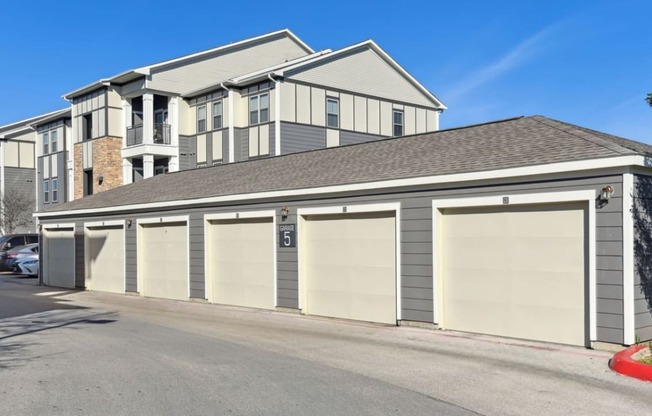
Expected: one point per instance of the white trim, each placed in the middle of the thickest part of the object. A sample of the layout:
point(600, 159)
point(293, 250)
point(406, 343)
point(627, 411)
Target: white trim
point(2, 184)
point(240, 216)
point(58, 226)
point(564, 167)
point(353, 209)
point(277, 121)
point(96, 224)
point(587, 196)
point(160, 220)
point(43, 236)
point(629, 313)
point(231, 128)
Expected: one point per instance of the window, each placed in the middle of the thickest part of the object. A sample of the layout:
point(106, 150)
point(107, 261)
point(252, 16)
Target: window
point(201, 119)
point(332, 113)
point(88, 182)
point(87, 126)
point(53, 138)
point(217, 115)
point(398, 123)
point(55, 189)
point(46, 143)
point(46, 191)
point(259, 109)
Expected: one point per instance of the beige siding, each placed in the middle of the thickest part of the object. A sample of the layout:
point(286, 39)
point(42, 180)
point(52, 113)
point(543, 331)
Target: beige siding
point(26, 155)
point(240, 109)
point(116, 122)
point(288, 102)
point(132, 87)
point(385, 119)
point(303, 104)
point(346, 111)
point(318, 107)
point(351, 72)
point(373, 112)
point(188, 76)
point(253, 142)
point(114, 99)
point(409, 120)
point(217, 145)
point(46, 167)
point(55, 165)
point(263, 139)
point(360, 109)
point(201, 148)
point(421, 120)
point(11, 154)
point(187, 118)
point(332, 138)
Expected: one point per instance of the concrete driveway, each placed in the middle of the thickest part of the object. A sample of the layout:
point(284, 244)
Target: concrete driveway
point(67, 353)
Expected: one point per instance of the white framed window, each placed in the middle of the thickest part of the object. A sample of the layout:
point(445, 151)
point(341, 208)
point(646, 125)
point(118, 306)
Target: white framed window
point(53, 140)
point(258, 109)
point(217, 115)
point(55, 189)
point(398, 123)
point(332, 113)
point(46, 191)
point(46, 143)
point(201, 119)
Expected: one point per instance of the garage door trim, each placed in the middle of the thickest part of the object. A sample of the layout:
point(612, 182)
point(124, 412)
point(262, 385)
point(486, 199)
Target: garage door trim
point(97, 224)
point(163, 220)
point(240, 215)
point(587, 196)
point(394, 207)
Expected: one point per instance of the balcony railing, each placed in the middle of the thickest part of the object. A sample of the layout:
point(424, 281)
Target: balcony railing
point(161, 134)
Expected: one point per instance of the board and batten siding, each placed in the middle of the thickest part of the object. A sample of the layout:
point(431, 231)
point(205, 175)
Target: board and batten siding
point(642, 217)
point(196, 255)
point(416, 242)
point(131, 257)
point(48, 167)
point(192, 74)
point(80, 255)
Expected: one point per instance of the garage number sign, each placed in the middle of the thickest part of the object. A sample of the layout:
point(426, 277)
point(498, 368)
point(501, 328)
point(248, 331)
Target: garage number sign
point(287, 235)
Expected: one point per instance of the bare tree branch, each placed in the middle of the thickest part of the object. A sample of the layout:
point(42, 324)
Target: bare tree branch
point(16, 211)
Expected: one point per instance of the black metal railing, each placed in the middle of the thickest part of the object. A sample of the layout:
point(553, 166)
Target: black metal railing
point(161, 134)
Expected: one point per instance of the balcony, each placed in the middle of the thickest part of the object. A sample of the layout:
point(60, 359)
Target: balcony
point(161, 134)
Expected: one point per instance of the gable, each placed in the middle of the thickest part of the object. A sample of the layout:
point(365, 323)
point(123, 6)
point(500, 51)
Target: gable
point(185, 76)
point(362, 71)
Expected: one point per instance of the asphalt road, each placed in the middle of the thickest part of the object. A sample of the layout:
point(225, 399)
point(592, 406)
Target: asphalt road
point(85, 353)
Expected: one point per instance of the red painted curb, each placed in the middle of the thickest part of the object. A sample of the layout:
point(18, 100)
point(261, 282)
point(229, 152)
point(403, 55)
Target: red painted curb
point(623, 363)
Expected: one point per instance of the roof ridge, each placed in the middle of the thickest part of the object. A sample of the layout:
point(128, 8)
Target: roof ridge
point(584, 134)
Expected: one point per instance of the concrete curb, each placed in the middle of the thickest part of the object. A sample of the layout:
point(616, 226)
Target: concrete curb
point(623, 363)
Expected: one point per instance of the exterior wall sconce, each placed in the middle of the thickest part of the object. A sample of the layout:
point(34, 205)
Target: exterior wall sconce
point(285, 211)
point(100, 180)
point(129, 222)
point(606, 192)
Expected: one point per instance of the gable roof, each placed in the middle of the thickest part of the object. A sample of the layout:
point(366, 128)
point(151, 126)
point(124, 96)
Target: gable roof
point(29, 123)
point(491, 147)
point(136, 73)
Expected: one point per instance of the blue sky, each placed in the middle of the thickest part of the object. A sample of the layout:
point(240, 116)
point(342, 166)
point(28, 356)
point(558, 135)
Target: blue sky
point(583, 62)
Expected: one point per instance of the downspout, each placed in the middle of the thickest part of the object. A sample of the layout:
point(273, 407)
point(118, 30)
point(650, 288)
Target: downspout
point(3, 140)
point(231, 127)
point(277, 113)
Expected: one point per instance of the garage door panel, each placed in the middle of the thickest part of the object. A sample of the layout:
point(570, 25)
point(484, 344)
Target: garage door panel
point(59, 258)
point(241, 258)
point(163, 256)
point(516, 271)
point(350, 266)
point(106, 259)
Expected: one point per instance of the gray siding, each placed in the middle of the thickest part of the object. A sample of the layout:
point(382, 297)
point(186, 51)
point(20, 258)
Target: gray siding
point(225, 146)
point(196, 255)
point(131, 258)
point(187, 152)
point(241, 144)
point(80, 255)
point(416, 243)
point(351, 137)
point(642, 216)
point(301, 138)
point(21, 180)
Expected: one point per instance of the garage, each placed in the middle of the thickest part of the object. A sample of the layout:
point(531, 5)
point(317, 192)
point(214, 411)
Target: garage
point(163, 259)
point(240, 262)
point(516, 271)
point(59, 256)
point(349, 266)
point(105, 258)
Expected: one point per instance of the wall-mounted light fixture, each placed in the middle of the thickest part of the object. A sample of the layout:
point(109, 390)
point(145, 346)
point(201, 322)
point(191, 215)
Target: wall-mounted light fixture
point(129, 222)
point(606, 192)
point(285, 211)
point(100, 180)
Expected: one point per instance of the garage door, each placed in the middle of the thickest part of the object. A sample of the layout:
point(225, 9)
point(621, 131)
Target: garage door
point(105, 259)
point(163, 260)
point(516, 272)
point(59, 257)
point(349, 266)
point(241, 262)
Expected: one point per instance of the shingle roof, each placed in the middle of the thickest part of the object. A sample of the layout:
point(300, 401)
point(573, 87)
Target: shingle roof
point(511, 143)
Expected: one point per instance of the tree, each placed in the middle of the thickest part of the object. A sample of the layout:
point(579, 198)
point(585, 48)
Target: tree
point(649, 99)
point(16, 210)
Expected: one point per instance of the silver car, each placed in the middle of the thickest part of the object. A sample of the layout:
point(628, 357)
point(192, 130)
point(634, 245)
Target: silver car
point(27, 265)
point(30, 250)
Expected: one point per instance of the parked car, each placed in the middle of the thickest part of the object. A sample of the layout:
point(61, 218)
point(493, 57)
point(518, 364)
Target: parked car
point(29, 250)
point(27, 265)
point(9, 241)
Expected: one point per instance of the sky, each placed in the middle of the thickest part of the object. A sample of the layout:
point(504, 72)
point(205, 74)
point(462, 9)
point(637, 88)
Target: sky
point(582, 62)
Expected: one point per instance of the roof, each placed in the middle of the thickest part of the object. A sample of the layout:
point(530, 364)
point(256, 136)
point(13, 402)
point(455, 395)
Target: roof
point(19, 126)
point(512, 143)
point(136, 73)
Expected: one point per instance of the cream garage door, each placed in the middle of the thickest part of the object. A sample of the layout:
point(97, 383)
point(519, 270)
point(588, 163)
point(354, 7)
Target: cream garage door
point(163, 260)
point(349, 266)
point(517, 272)
point(59, 257)
point(105, 259)
point(240, 261)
